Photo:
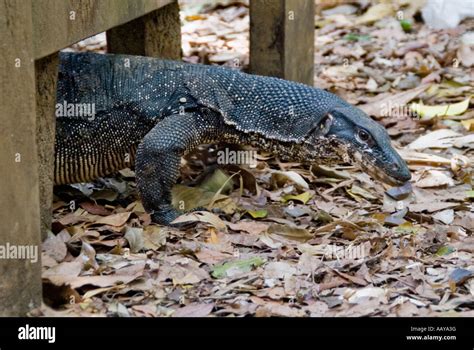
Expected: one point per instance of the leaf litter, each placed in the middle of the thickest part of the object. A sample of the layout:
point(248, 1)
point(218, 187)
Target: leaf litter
point(286, 239)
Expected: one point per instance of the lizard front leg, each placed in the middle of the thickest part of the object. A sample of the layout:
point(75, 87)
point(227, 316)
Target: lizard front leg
point(159, 157)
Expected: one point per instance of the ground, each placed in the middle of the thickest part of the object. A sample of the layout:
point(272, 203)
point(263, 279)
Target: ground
point(294, 240)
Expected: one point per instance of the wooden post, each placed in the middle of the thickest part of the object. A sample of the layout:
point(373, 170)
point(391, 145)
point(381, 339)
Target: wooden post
point(282, 39)
point(46, 81)
point(20, 282)
point(157, 34)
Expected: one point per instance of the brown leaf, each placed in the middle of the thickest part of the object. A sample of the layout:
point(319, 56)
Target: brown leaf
point(381, 106)
point(276, 309)
point(55, 247)
point(254, 227)
point(194, 310)
point(124, 275)
point(114, 220)
point(94, 208)
point(211, 257)
point(202, 216)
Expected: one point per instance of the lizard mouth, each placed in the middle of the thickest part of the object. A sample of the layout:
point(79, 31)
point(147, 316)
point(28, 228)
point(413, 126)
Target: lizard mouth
point(380, 175)
point(376, 172)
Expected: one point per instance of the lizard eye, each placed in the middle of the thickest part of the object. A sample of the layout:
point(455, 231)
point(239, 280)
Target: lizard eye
point(363, 136)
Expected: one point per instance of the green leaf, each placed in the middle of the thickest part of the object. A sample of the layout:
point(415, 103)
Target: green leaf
point(445, 250)
point(429, 112)
point(238, 266)
point(356, 37)
point(470, 194)
point(407, 228)
point(258, 214)
point(303, 197)
point(406, 25)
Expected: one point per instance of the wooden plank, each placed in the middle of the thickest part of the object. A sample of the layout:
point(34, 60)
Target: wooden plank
point(60, 23)
point(157, 34)
point(20, 282)
point(46, 80)
point(282, 39)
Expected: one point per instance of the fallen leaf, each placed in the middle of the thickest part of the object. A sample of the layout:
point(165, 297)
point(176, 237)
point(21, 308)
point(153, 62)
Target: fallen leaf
point(445, 216)
point(375, 13)
point(413, 157)
point(184, 273)
point(202, 216)
point(235, 267)
point(468, 124)
point(275, 309)
point(253, 227)
point(280, 178)
point(211, 257)
point(94, 208)
point(429, 112)
point(356, 191)
point(290, 232)
point(434, 178)
point(218, 181)
point(279, 269)
point(445, 250)
point(114, 220)
point(258, 214)
point(385, 104)
point(442, 138)
point(134, 236)
point(154, 237)
point(303, 197)
point(464, 141)
point(360, 295)
point(187, 198)
point(55, 247)
point(194, 310)
point(66, 270)
point(89, 294)
point(122, 276)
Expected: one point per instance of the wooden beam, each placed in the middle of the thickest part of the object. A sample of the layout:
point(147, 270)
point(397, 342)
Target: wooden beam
point(282, 39)
point(46, 81)
point(20, 282)
point(60, 23)
point(157, 34)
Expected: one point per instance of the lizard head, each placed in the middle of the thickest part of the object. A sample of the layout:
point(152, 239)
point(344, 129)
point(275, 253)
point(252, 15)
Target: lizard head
point(354, 137)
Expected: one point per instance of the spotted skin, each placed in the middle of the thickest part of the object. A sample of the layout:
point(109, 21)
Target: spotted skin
point(150, 112)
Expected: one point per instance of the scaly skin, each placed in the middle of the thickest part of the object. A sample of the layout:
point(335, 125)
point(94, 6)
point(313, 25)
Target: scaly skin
point(152, 112)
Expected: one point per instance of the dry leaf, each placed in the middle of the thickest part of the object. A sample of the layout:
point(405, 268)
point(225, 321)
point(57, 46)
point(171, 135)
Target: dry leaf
point(114, 220)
